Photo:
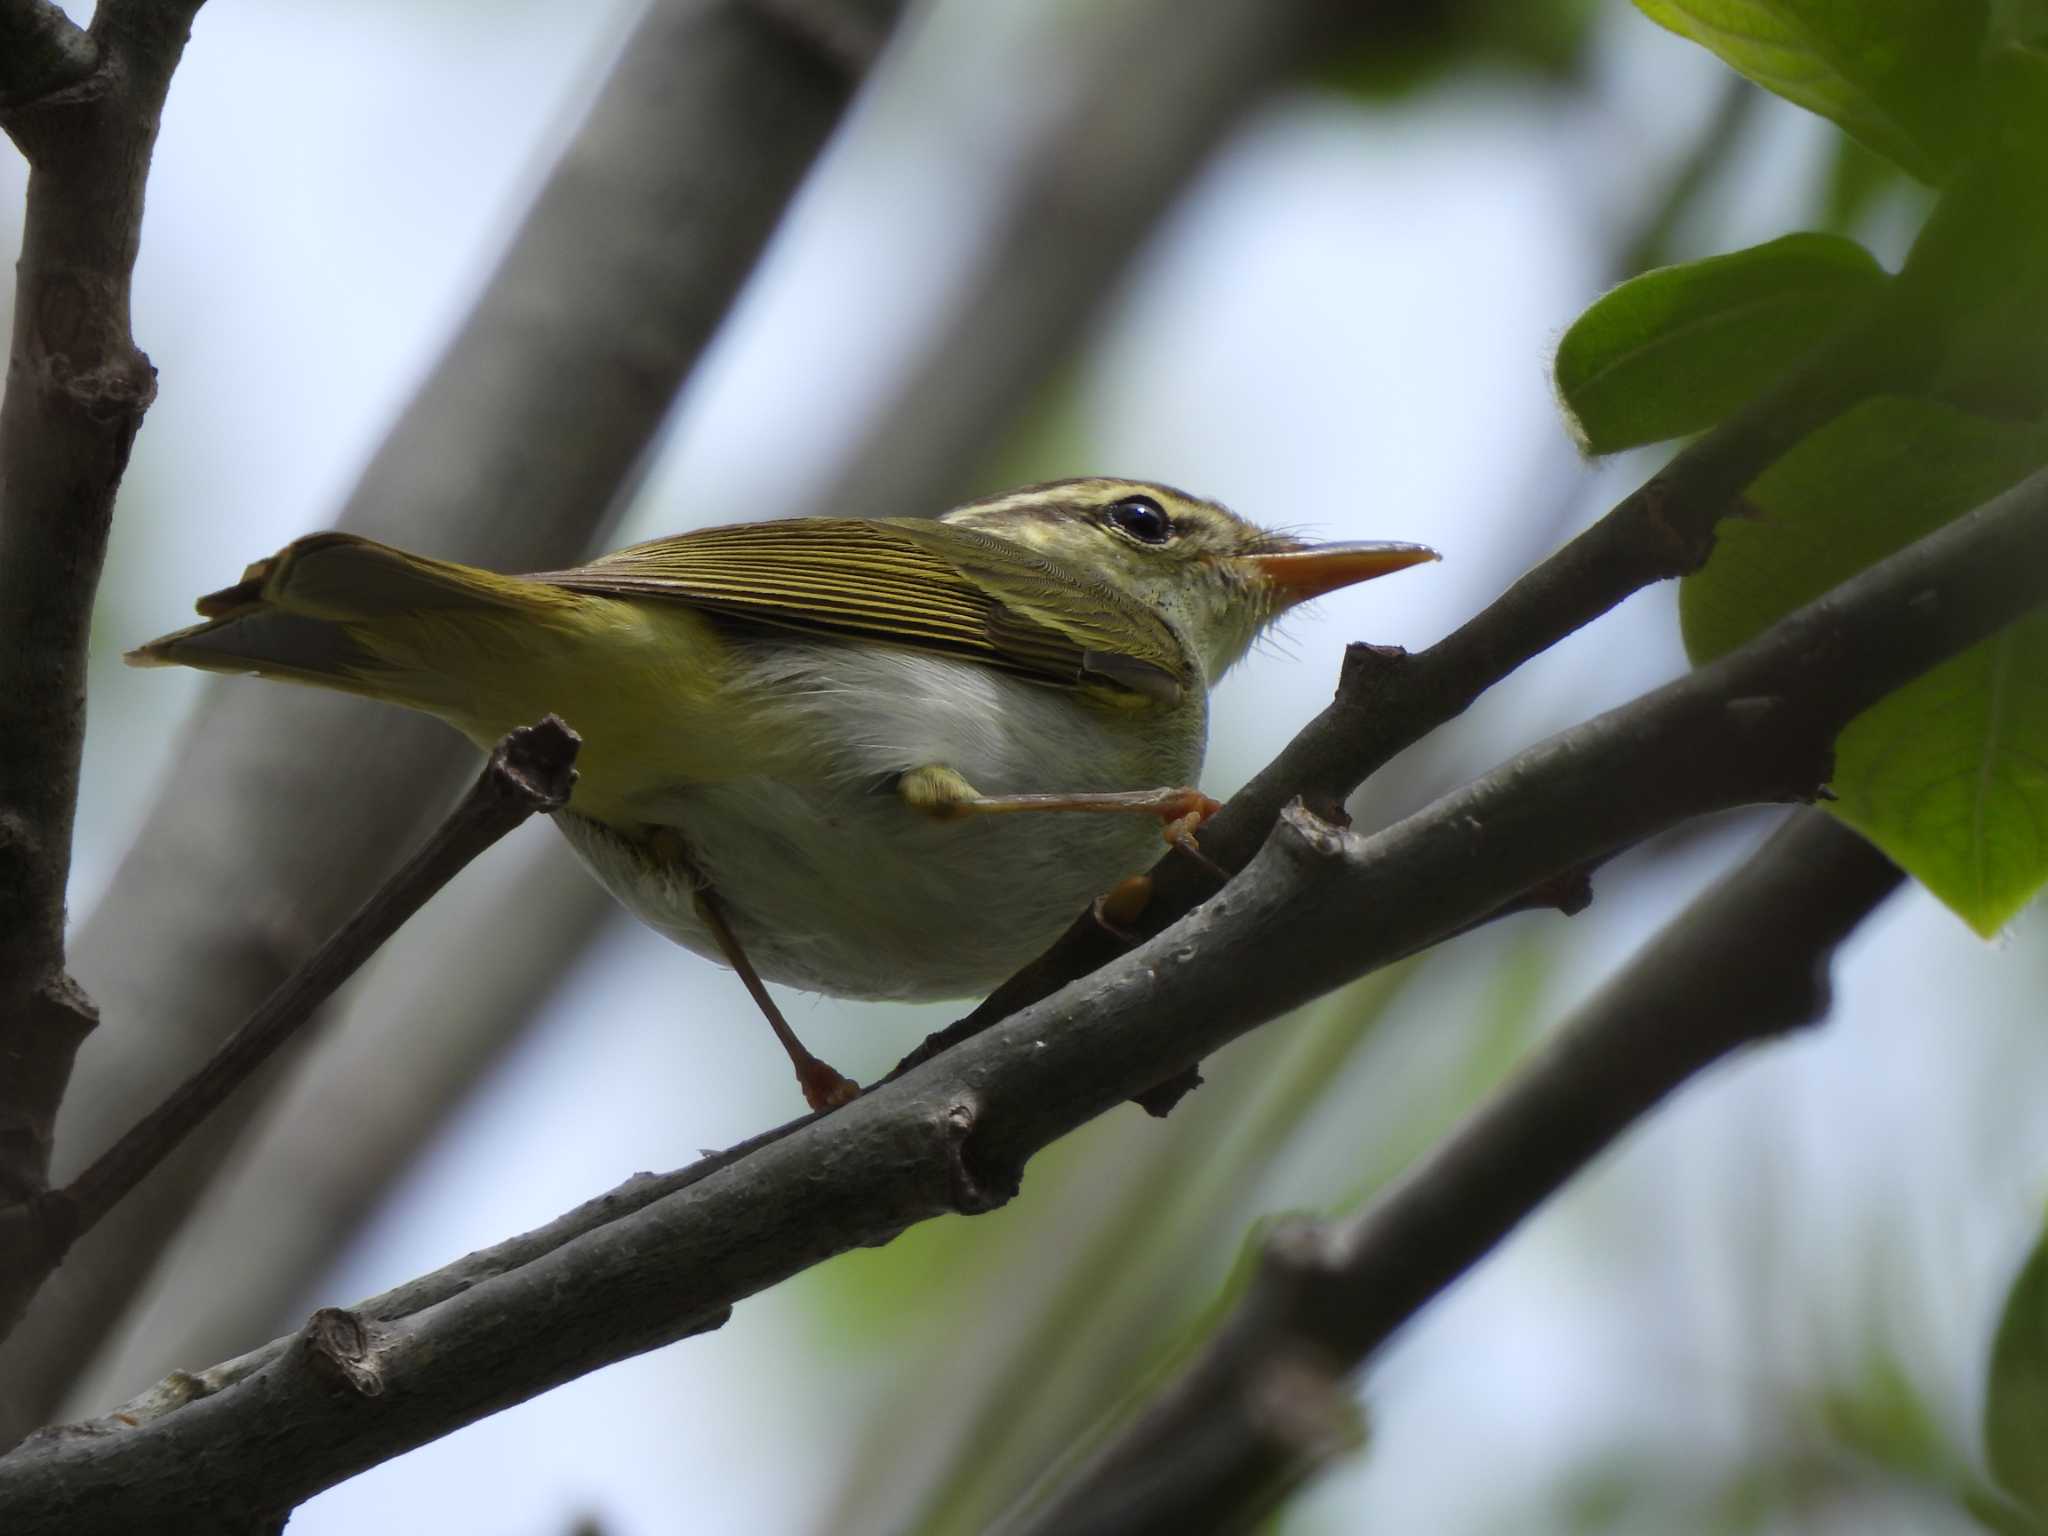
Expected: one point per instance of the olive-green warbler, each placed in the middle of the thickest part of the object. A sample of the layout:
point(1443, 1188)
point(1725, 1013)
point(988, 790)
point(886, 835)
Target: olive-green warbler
point(796, 734)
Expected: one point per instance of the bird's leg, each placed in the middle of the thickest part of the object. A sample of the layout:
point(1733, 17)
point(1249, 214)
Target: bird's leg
point(941, 792)
point(824, 1087)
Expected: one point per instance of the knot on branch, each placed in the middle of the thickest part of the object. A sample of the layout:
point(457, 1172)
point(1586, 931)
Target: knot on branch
point(116, 392)
point(1677, 539)
point(1301, 1276)
point(1298, 1402)
point(337, 1346)
point(1368, 671)
point(1298, 1249)
point(974, 1184)
point(536, 763)
point(60, 1005)
point(1161, 1099)
point(170, 1394)
point(1568, 893)
point(1309, 836)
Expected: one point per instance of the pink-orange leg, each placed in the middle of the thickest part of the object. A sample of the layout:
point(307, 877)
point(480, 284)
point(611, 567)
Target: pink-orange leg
point(824, 1087)
point(942, 792)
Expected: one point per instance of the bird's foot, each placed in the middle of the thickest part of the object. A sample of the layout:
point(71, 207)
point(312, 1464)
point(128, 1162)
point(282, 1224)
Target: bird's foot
point(1122, 905)
point(824, 1087)
point(1184, 811)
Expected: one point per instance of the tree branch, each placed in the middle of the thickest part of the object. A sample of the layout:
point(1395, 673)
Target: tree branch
point(42, 52)
point(531, 770)
point(1388, 700)
point(1317, 907)
point(1043, 276)
point(271, 827)
point(415, 1038)
point(1746, 962)
point(77, 387)
point(1057, 281)
point(1056, 276)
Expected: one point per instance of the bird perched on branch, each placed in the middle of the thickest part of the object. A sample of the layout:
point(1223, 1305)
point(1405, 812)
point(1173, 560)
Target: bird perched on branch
point(879, 758)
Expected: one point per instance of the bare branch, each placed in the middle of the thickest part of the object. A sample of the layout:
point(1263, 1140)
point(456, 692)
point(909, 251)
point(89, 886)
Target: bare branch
point(530, 771)
point(1317, 907)
point(42, 52)
point(1746, 962)
point(77, 387)
point(424, 1291)
point(271, 827)
point(415, 1038)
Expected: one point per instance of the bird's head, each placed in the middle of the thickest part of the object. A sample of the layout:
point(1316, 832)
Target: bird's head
point(1218, 579)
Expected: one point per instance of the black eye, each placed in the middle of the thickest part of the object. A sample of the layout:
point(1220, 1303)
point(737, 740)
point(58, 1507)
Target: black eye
point(1142, 518)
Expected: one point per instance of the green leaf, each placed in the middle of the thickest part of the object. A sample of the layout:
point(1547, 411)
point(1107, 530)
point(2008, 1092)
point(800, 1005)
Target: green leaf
point(1949, 775)
point(1895, 73)
point(1676, 350)
point(1980, 263)
point(2016, 1398)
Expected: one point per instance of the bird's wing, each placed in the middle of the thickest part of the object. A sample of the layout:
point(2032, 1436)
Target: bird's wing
point(926, 585)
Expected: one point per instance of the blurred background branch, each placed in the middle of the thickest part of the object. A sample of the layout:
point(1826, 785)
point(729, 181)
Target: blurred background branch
point(955, 1135)
point(1748, 961)
point(1090, 194)
point(513, 453)
point(1077, 211)
point(1766, 1313)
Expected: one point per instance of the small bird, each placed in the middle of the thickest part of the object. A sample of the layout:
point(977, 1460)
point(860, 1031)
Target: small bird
point(847, 755)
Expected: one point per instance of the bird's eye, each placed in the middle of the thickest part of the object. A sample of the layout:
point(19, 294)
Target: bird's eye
point(1143, 519)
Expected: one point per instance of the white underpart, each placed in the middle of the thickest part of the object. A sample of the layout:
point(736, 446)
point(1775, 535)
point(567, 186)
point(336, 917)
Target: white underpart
point(835, 885)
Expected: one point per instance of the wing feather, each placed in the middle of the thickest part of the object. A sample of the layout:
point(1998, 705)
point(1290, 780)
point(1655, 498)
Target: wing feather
point(926, 585)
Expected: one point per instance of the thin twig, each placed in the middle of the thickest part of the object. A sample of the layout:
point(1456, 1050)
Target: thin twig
point(1319, 906)
point(530, 771)
point(1746, 962)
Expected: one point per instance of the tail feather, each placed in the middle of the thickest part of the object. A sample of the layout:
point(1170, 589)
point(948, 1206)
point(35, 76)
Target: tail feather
point(304, 613)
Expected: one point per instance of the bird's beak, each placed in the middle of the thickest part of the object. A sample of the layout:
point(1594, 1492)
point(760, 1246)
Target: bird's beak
point(1296, 575)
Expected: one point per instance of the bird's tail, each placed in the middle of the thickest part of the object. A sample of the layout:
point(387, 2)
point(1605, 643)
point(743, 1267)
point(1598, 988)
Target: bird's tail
point(343, 612)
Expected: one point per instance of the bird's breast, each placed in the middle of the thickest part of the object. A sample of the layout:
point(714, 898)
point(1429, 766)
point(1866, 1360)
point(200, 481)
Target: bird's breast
point(835, 885)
